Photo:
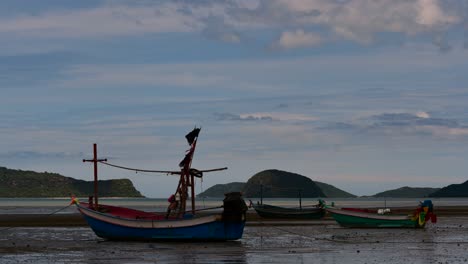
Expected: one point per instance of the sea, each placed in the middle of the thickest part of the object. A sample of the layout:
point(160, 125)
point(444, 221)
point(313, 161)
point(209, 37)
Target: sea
point(49, 205)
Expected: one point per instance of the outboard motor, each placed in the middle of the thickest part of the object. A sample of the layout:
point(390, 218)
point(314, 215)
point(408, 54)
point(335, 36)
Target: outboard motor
point(234, 207)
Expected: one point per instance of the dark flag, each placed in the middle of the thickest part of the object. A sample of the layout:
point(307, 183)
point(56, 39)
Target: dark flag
point(185, 160)
point(192, 135)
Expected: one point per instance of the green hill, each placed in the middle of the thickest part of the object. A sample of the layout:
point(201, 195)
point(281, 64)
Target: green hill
point(281, 184)
point(277, 183)
point(19, 183)
point(453, 190)
point(407, 192)
point(219, 190)
point(331, 191)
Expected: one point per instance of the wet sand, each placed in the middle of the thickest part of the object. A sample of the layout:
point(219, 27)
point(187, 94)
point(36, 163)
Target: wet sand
point(263, 242)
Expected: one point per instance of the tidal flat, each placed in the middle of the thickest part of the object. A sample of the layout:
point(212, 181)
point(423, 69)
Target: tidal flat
point(443, 242)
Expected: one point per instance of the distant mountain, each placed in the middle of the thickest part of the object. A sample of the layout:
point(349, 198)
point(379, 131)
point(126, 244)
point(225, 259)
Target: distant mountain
point(407, 192)
point(281, 184)
point(277, 183)
point(453, 190)
point(331, 191)
point(19, 183)
point(219, 190)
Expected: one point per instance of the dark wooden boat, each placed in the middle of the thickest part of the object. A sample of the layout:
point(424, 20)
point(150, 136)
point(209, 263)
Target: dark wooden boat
point(270, 211)
point(302, 212)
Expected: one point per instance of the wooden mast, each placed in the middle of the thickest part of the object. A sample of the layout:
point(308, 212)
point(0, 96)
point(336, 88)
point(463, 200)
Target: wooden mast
point(95, 160)
point(186, 178)
point(192, 179)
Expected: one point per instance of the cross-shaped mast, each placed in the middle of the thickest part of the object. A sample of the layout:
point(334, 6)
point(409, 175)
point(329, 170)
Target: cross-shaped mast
point(95, 160)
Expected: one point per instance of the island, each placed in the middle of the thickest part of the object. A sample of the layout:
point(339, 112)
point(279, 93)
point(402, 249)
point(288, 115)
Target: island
point(31, 184)
point(278, 184)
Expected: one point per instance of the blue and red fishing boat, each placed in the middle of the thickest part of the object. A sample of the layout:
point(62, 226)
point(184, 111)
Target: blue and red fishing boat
point(120, 223)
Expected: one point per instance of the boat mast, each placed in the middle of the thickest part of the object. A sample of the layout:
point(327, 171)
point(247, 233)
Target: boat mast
point(187, 178)
point(95, 160)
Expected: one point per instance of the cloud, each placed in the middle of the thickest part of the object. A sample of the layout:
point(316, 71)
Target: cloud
point(216, 28)
point(355, 20)
point(422, 114)
point(234, 117)
point(408, 119)
point(40, 155)
point(340, 126)
point(101, 21)
point(269, 116)
point(430, 13)
point(297, 39)
point(402, 124)
point(419, 124)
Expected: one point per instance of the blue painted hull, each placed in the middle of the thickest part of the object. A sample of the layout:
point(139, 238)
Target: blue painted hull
point(212, 230)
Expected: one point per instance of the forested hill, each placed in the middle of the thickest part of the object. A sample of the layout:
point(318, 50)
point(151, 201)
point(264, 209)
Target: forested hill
point(277, 183)
point(407, 192)
point(19, 184)
point(453, 190)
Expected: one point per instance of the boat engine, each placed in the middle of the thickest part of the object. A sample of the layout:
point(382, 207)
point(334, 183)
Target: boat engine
point(234, 207)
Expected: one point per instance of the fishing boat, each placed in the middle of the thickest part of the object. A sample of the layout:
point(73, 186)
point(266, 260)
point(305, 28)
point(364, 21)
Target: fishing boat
point(302, 212)
point(271, 211)
point(357, 217)
point(226, 222)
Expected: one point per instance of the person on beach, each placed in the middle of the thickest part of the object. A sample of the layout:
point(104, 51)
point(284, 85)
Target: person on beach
point(172, 205)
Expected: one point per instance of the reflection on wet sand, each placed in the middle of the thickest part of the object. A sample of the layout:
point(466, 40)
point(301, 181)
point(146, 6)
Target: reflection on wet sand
point(327, 243)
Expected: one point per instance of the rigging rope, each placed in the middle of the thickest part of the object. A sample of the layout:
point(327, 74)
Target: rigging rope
point(139, 170)
point(195, 172)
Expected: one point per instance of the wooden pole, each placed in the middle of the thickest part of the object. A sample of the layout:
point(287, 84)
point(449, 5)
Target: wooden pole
point(261, 194)
point(95, 160)
point(95, 176)
point(192, 179)
point(300, 199)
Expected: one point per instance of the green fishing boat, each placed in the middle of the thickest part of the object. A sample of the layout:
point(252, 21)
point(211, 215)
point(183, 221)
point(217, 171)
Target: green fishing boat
point(356, 217)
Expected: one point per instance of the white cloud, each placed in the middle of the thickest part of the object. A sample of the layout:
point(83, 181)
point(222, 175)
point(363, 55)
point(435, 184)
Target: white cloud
point(446, 132)
point(422, 115)
point(360, 20)
point(296, 39)
point(430, 13)
point(281, 116)
point(101, 21)
point(355, 20)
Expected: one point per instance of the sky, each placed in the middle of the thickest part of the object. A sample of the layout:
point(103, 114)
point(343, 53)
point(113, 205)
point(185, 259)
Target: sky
point(364, 95)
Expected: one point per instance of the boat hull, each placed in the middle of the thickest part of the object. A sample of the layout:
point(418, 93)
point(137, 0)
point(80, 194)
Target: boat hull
point(211, 227)
point(368, 220)
point(269, 211)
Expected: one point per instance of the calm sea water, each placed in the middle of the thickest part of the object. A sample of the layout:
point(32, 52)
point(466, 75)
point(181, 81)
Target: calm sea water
point(48, 205)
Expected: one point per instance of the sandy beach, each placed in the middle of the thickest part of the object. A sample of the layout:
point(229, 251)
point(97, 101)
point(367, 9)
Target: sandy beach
point(275, 241)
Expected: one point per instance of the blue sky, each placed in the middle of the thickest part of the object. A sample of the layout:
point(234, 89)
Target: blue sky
point(364, 95)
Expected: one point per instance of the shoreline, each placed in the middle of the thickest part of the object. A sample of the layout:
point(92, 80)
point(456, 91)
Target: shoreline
point(76, 220)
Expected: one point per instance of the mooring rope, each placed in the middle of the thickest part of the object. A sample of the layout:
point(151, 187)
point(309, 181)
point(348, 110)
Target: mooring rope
point(333, 239)
point(46, 215)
